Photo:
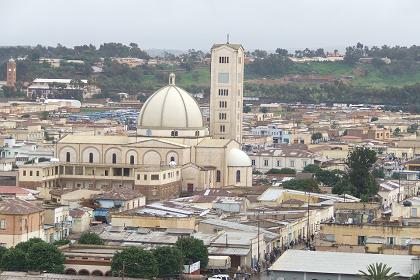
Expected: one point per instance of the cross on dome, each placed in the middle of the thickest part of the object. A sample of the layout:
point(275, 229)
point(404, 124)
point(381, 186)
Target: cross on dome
point(172, 79)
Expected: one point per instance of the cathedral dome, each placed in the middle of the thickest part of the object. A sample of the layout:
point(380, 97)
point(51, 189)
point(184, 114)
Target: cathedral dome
point(238, 158)
point(170, 108)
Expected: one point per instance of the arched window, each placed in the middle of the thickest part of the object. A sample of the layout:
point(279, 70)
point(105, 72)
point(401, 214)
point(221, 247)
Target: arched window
point(238, 176)
point(68, 157)
point(197, 133)
point(114, 158)
point(218, 175)
point(172, 133)
point(172, 159)
point(131, 159)
point(176, 133)
point(91, 157)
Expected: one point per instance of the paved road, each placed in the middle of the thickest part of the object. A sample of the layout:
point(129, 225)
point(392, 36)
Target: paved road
point(261, 276)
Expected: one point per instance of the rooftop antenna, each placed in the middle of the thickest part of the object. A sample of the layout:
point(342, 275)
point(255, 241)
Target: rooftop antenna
point(227, 39)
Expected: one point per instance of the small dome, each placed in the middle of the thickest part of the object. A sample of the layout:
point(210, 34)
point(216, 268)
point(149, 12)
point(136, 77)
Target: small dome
point(170, 107)
point(238, 158)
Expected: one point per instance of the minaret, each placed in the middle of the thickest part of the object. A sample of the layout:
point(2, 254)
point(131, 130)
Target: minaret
point(226, 91)
point(11, 73)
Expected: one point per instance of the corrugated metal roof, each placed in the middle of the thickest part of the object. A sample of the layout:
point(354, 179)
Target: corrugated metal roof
point(338, 262)
point(226, 251)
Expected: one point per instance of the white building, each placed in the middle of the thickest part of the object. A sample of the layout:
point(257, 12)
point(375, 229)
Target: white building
point(278, 135)
point(171, 151)
point(53, 88)
point(281, 158)
point(301, 264)
point(390, 192)
point(22, 152)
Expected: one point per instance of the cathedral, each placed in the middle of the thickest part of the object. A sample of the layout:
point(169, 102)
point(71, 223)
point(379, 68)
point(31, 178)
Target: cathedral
point(172, 151)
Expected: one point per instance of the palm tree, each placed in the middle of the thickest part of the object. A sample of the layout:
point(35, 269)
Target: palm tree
point(415, 277)
point(378, 271)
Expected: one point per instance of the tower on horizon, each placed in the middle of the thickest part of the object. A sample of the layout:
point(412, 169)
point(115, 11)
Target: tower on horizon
point(11, 73)
point(226, 91)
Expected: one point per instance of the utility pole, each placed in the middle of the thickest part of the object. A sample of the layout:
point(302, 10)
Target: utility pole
point(399, 183)
point(123, 270)
point(308, 232)
point(258, 245)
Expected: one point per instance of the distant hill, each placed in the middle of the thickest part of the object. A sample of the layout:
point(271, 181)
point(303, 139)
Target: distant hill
point(161, 52)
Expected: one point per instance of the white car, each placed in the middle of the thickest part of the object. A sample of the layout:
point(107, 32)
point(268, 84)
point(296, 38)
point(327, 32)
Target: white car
point(219, 277)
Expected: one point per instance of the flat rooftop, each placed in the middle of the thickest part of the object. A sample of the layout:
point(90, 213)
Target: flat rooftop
point(338, 262)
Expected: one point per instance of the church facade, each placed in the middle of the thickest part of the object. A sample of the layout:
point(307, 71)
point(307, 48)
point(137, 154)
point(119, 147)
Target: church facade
point(172, 152)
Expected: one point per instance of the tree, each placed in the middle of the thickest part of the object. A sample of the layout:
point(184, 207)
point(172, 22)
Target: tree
point(14, 260)
point(378, 173)
point(378, 271)
point(3, 251)
point(359, 163)
point(44, 115)
point(306, 185)
point(247, 109)
point(90, 238)
point(396, 175)
point(193, 250)
point(61, 242)
point(25, 246)
point(137, 262)
point(45, 257)
point(286, 171)
point(169, 261)
point(316, 137)
point(415, 277)
point(329, 177)
point(311, 168)
point(396, 132)
point(412, 128)
point(264, 110)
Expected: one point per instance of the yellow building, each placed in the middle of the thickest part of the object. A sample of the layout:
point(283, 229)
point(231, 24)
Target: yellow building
point(393, 233)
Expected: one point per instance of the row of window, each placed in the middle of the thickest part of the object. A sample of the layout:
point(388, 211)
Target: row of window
point(174, 133)
point(278, 163)
point(223, 92)
point(219, 175)
point(222, 116)
point(91, 158)
point(24, 224)
point(223, 59)
point(222, 104)
point(155, 177)
point(31, 173)
point(114, 156)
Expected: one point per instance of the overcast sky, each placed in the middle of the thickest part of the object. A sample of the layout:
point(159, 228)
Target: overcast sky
point(184, 24)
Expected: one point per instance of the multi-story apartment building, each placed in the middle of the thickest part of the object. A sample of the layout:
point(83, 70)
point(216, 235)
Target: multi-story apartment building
point(153, 182)
point(20, 220)
point(281, 158)
point(58, 88)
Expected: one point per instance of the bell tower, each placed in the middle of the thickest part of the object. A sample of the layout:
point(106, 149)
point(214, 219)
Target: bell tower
point(11, 73)
point(226, 91)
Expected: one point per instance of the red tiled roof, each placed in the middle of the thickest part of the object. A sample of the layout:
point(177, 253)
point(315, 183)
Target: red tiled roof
point(13, 190)
point(18, 207)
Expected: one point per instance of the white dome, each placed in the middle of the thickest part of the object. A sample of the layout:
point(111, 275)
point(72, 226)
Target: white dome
point(238, 158)
point(170, 107)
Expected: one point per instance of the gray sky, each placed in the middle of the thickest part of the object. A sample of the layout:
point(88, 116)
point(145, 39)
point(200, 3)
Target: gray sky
point(184, 24)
